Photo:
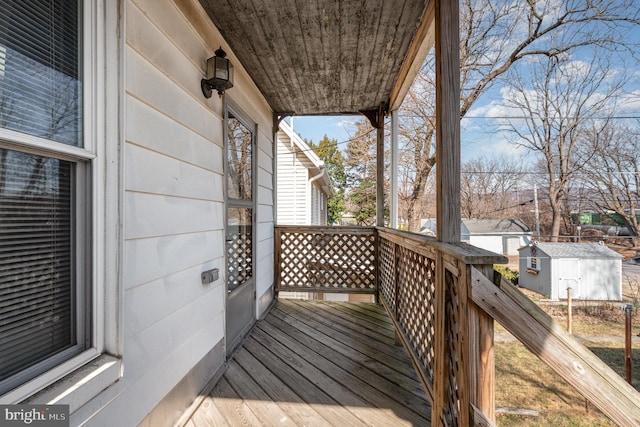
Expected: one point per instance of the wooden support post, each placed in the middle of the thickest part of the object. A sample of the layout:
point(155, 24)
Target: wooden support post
point(380, 168)
point(394, 170)
point(481, 356)
point(447, 53)
point(627, 342)
point(569, 312)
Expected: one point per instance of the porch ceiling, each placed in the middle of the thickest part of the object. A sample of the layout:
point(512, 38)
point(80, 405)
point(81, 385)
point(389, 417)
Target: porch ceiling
point(327, 56)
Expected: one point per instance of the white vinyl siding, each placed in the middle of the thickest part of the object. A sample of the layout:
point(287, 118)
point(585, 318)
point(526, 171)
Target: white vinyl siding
point(293, 179)
point(173, 207)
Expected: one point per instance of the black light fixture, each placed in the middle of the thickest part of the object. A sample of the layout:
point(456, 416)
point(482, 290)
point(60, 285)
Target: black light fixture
point(219, 74)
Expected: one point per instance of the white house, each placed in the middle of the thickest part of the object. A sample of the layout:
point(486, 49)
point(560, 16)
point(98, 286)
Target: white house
point(502, 236)
point(591, 270)
point(302, 181)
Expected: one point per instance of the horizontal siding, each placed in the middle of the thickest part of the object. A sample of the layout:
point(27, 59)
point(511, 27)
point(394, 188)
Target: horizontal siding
point(151, 86)
point(132, 405)
point(151, 345)
point(151, 215)
point(155, 258)
point(173, 206)
point(151, 172)
point(169, 137)
point(155, 300)
point(292, 187)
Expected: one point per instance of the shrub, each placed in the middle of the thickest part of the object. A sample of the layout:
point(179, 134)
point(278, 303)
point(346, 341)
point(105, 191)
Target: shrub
point(507, 273)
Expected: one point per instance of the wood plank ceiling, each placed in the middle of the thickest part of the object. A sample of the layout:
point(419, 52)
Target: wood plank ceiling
point(324, 56)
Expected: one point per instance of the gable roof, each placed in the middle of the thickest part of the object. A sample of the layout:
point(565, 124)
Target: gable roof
point(470, 227)
point(309, 158)
point(576, 250)
point(496, 226)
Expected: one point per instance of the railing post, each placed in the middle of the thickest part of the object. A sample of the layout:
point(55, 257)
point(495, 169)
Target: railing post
point(396, 290)
point(481, 353)
point(376, 251)
point(277, 257)
point(440, 353)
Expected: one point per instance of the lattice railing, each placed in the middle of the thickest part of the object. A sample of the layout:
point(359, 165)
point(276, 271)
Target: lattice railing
point(325, 259)
point(423, 284)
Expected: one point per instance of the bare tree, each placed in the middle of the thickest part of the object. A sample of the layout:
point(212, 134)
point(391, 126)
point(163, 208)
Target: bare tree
point(489, 188)
point(559, 98)
point(494, 36)
point(360, 168)
point(614, 173)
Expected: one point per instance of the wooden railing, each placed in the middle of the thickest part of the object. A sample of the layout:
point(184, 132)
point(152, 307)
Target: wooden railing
point(325, 259)
point(424, 284)
point(443, 299)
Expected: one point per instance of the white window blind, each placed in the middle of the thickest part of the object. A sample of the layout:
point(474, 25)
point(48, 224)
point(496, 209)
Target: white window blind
point(40, 86)
point(36, 275)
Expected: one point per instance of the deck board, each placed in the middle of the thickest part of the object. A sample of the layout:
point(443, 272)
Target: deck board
point(318, 364)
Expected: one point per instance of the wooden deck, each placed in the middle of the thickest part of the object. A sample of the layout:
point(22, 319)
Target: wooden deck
point(318, 364)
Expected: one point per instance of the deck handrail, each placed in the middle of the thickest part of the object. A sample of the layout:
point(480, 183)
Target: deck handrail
point(568, 357)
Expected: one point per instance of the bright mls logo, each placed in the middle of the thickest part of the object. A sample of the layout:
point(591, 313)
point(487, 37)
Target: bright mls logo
point(34, 415)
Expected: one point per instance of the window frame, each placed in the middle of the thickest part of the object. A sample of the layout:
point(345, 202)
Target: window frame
point(95, 182)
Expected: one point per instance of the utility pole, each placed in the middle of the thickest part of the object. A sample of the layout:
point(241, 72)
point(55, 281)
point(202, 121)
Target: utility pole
point(537, 212)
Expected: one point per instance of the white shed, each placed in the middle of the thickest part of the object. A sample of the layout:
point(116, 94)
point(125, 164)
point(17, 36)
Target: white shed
point(591, 270)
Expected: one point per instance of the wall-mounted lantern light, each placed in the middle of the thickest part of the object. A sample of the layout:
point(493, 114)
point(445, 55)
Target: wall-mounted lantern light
point(219, 74)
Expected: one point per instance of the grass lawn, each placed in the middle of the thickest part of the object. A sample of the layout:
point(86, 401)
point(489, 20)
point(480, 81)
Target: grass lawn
point(523, 381)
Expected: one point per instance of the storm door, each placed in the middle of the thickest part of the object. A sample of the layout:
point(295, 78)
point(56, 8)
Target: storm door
point(240, 241)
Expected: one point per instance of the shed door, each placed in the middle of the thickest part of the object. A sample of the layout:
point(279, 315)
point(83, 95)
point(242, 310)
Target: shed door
point(569, 277)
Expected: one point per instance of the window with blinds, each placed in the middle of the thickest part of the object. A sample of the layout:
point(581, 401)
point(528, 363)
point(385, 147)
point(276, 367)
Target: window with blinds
point(36, 248)
point(40, 85)
point(43, 309)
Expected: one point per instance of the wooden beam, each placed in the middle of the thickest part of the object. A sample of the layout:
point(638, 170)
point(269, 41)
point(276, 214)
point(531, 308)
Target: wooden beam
point(571, 360)
point(420, 45)
point(380, 167)
point(393, 210)
point(447, 49)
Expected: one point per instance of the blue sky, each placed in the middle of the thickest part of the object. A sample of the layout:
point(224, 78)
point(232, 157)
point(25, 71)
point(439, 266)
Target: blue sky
point(314, 128)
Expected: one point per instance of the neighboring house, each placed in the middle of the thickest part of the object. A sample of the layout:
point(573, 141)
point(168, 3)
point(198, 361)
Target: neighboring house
point(303, 183)
point(502, 236)
point(591, 270)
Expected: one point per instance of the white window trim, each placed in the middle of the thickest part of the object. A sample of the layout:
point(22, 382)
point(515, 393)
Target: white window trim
point(79, 379)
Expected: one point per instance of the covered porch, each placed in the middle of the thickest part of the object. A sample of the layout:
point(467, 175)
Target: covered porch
point(441, 296)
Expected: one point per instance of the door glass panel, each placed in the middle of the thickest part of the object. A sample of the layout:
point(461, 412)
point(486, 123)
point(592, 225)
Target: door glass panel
point(239, 159)
point(239, 254)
